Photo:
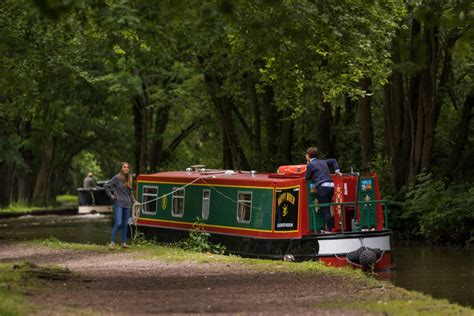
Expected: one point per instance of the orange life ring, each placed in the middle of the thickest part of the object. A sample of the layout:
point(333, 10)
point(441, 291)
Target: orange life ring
point(291, 170)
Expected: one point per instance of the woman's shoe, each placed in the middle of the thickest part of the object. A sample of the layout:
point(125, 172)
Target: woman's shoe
point(112, 246)
point(124, 245)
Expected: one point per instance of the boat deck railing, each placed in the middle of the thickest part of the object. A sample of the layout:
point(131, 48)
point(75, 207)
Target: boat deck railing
point(385, 204)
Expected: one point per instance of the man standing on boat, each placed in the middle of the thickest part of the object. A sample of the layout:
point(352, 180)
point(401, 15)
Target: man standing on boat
point(89, 182)
point(318, 172)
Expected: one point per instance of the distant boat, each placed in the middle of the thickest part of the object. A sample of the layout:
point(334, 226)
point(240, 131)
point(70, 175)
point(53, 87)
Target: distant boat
point(269, 215)
point(94, 200)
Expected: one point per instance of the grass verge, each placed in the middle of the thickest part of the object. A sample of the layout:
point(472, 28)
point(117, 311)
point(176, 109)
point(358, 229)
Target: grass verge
point(20, 278)
point(397, 301)
point(59, 244)
point(22, 207)
point(12, 285)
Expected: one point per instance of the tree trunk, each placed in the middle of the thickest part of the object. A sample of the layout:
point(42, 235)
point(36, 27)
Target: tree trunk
point(286, 139)
point(25, 176)
point(397, 125)
point(61, 175)
point(431, 107)
point(461, 139)
point(137, 123)
point(41, 193)
point(413, 106)
point(366, 127)
point(225, 114)
point(349, 111)
point(161, 122)
point(223, 106)
point(324, 131)
point(25, 185)
point(6, 174)
point(142, 122)
point(271, 120)
point(252, 93)
point(144, 134)
point(227, 160)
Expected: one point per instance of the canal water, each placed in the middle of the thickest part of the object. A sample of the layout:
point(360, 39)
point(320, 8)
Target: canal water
point(442, 272)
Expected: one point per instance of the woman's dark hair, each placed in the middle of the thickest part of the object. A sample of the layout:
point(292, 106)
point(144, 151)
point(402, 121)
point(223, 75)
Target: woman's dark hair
point(312, 152)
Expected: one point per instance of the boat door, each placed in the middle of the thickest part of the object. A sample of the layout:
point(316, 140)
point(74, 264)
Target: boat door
point(287, 205)
point(316, 221)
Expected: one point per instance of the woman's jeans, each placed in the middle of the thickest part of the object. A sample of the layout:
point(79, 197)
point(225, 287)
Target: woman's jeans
point(121, 215)
point(324, 195)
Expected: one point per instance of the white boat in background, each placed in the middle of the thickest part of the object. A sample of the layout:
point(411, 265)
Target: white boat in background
point(94, 200)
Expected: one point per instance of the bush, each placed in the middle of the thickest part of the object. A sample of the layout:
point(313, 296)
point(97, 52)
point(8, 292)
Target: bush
point(199, 241)
point(438, 212)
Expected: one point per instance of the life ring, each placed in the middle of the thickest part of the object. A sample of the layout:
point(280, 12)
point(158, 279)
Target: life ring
point(291, 170)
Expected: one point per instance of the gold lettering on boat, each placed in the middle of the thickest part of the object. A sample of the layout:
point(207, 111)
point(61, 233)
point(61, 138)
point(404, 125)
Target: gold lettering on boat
point(286, 196)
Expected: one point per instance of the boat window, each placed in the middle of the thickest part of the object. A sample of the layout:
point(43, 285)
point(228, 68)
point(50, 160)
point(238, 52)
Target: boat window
point(206, 199)
point(178, 202)
point(149, 195)
point(244, 207)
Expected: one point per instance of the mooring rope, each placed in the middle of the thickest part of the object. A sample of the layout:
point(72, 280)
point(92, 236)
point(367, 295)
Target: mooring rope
point(228, 197)
point(176, 190)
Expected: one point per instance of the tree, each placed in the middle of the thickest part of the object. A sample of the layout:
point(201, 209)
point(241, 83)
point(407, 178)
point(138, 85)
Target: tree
point(418, 84)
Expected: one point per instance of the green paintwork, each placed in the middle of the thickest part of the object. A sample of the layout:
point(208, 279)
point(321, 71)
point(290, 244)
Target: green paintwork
point(223, 205)
point(368, 219)
point(316, 221)
point(366, 189)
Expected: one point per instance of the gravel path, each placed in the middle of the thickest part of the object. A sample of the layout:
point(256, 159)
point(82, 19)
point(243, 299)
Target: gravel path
point(121, 283)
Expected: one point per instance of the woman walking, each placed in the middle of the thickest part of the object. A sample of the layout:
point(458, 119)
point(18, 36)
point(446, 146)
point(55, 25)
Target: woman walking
point(121, 185)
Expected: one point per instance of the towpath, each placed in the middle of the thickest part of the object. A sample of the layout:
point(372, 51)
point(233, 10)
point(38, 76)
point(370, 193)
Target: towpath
point(126, 282)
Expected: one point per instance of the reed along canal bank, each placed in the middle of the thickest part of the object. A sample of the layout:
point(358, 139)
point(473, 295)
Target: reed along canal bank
point(74, 279)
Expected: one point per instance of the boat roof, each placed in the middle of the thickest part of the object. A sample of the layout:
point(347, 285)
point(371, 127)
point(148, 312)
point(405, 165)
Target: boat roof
point(221, 177)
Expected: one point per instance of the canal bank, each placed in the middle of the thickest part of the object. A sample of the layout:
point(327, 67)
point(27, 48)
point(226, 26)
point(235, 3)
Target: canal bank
point(64, 210)
point(443, 272)
point(161, 279)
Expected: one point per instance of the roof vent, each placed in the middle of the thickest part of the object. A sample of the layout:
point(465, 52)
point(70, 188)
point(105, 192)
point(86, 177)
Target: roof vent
point(198, 167)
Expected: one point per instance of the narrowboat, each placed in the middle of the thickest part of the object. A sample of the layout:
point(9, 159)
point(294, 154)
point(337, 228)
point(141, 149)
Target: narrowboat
point(269, 215)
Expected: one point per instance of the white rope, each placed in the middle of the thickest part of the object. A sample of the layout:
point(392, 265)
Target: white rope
point(176, 190)
point(187, 184)
point(136, 209)
point(137, 206)
point(226, 196)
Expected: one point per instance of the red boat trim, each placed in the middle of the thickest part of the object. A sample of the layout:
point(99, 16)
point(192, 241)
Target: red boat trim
point(384, 264)
point(207, 184)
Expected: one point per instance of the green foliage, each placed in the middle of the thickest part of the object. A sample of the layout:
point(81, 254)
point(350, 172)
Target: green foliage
point(22, 207)
point(382, 167)
point(139, 239)
point(199, 240)
point(438, 213)
point(54, 242)
point(88, 84)
point(81, 165)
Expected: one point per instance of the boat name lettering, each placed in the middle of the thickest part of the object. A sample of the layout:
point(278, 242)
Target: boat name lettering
point(286, 196)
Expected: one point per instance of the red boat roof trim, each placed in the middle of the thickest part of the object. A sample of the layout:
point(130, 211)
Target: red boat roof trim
point(235, 177)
